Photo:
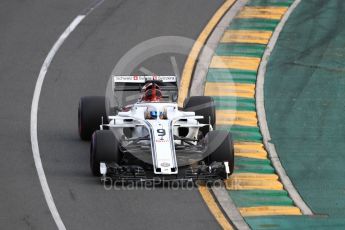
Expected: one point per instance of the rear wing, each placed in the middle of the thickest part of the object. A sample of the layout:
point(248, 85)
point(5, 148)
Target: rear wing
point(132, 85)
point(143, 79)
point(135, 83)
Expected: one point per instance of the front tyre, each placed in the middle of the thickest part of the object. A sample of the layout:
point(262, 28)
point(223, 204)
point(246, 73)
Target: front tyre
point(104, 148)
point(220, 147)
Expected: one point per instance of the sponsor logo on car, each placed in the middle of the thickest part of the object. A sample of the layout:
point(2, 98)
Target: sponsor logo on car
point(142, 79)
point(165, 164)
point(161, 140)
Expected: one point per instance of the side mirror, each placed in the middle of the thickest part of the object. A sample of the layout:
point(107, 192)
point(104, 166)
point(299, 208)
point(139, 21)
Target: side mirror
point(174, 97)
point(114, 110)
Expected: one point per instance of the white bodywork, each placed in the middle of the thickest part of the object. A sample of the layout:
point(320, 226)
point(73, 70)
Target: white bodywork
point(160, 130)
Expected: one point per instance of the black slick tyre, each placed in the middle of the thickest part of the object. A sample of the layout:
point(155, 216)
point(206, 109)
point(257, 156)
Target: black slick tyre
point(104, 148)
point(220, 147)
point(90, 113)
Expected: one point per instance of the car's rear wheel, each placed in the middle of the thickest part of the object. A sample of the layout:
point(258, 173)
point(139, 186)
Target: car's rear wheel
point(104, 148)
point(202, 106)
point(220, 147)
point(90, 113)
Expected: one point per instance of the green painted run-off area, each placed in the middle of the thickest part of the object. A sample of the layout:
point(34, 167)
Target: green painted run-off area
point(305, 107)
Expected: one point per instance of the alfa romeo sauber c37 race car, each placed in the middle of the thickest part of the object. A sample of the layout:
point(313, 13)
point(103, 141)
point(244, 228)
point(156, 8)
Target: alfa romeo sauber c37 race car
point(140, 134)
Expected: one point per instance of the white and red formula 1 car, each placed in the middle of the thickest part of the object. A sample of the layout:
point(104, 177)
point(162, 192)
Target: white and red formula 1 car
point(146, 136)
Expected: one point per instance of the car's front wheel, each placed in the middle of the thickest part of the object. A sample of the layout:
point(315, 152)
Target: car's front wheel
point(220, 147)
point(104, 148)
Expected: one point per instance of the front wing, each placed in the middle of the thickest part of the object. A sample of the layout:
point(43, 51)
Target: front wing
point(134, 173)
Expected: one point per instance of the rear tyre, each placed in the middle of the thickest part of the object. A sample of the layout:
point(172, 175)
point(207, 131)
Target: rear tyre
point(220, 147)
point(202, 106)
point(104, 148)
point(90, 113)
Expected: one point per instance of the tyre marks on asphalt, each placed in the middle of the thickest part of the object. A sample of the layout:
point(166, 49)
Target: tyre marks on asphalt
point(231, 80)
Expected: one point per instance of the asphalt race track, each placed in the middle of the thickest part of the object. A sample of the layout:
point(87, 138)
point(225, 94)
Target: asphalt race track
point(28, 30)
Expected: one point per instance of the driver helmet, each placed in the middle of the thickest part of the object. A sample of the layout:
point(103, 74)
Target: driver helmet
point(155, 114)
point(151, 92)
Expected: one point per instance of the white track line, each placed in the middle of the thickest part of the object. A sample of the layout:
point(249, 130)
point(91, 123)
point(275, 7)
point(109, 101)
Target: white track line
point(33, 122)
point(260, 108)
point(34, 109)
